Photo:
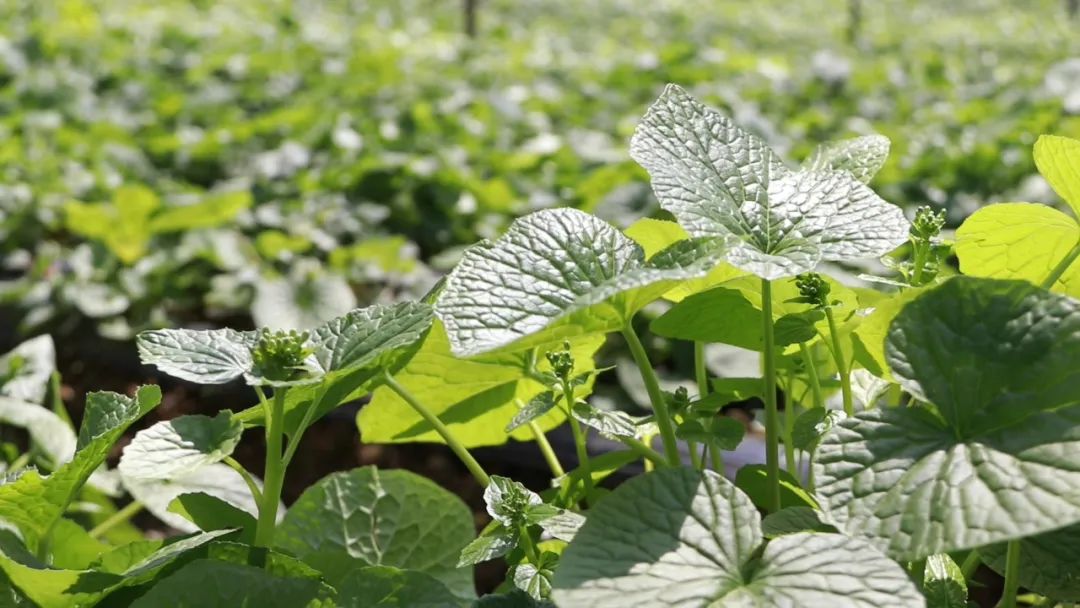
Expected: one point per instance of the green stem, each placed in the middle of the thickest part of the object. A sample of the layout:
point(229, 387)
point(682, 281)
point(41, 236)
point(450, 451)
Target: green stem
point(440, 428)
point(812, 375)
point(652, 385)
point(701, 374)
point(650, 455)
point(528, 546)
point(772, 421)
point(695, 459)
point(1062, 266)
point(789, 429)
point(265, 405)
point(274, 472)
point(546, 449)
point(57, 399)
point(970, 565)
point(841, 364)
point(256, 493)
point(20, 462)
point(717, 460)
point(116, 519)
point(294, 441)
point(1012, 575)
point(919, 262)
point(581, 446)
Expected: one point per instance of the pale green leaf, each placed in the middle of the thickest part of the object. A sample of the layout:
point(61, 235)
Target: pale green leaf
point(214, 210)
point(555, 274)
point(1058, 160)
point(679, 537)
point(862, 157)
point(1019, 241)
point(28, 367)
point(173, 448)
point(49, 432)
point(719, 181)
point(476, 397)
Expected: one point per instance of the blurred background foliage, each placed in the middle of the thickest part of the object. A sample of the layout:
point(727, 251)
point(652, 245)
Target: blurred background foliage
point(168, 162)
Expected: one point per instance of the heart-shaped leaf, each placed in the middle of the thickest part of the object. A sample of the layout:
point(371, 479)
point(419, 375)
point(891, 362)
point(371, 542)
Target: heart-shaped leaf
point(558, 273)
point(368, 517)
point(720, 181)
point(32, 503)
point(679, 537)
point(1000, 362)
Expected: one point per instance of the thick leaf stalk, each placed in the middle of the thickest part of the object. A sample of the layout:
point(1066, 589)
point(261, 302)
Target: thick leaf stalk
point(841, 364)
point(1062, 266)
point(274, 477)
point(652, 385)
point(772, 417)
point(1012, 575)
point(440, 428)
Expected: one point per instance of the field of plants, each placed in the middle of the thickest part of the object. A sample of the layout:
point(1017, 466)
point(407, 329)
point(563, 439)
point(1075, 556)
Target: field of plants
point(680, 303)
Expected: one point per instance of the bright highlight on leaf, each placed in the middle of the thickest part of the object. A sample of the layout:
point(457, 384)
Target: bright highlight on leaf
point(555, 274)
point(720, 181)
point(679, 537)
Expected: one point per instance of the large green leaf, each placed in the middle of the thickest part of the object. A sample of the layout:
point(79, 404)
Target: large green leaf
point(987, 353)
point(173, 448)
point(558, 273)
point(368, 517)
point(385, 587)
point(32, 504)
point(990, 461)
point(719, 181)
point(862, 157)
point(679, 537)
point(207, 583)
point(1049, 563)
point(1019, 241)
point(731, 312)
point(476, 397)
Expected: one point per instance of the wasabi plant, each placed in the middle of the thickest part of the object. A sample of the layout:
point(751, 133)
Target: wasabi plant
point(953, 443)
